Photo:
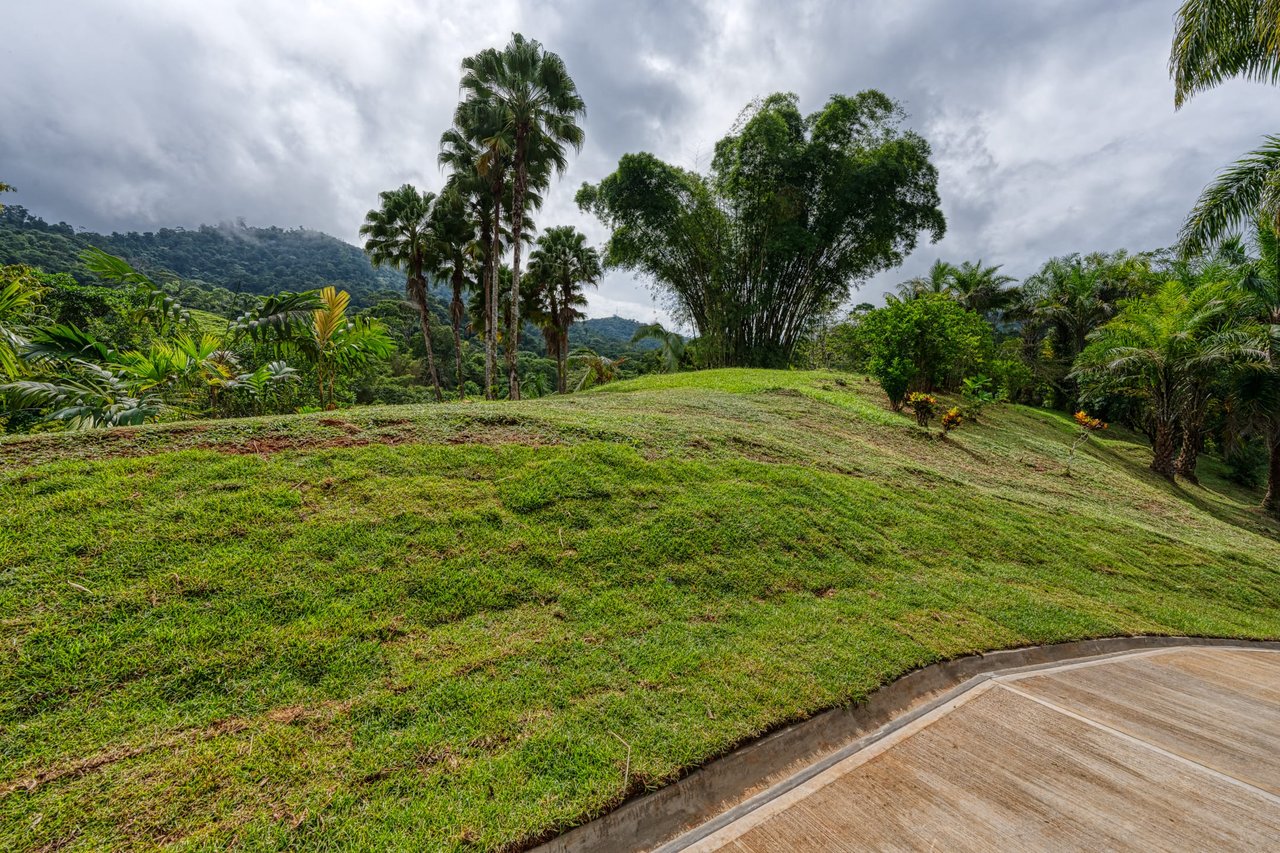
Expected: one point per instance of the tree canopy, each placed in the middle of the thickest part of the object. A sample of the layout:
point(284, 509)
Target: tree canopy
point(794, 211)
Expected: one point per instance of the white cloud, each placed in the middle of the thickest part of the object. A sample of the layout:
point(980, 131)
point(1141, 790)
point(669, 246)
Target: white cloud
point(1052, 123)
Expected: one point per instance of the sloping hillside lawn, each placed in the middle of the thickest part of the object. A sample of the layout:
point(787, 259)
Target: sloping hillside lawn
point(440, 627)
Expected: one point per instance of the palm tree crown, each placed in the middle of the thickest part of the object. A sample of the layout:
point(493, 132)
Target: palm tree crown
point(559, 267)
point(399, 234)
point(1215, 40)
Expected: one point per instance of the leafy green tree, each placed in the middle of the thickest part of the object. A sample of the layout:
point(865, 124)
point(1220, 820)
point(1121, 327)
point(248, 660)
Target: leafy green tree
point(922, 344)
point(1214, 41)
point(794, 211)
point(671, 344)
point(537, 107)
point(400, 234)
point(560, 266)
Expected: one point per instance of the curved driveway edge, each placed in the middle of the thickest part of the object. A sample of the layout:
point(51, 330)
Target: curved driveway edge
point(724, 790)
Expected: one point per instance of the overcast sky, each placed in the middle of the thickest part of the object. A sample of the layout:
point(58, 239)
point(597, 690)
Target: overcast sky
point(1052, 123)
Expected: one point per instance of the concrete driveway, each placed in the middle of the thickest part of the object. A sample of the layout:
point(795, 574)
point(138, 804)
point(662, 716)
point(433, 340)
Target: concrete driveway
point(1169, 749)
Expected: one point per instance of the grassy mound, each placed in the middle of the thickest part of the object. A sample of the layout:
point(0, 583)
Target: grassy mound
point(421, 627)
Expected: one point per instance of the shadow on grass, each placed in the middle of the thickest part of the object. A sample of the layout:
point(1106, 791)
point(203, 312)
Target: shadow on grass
point(1215, 495)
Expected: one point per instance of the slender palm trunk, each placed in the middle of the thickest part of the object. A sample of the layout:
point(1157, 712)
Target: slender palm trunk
point(419, 291)
point(1189, 455)
point(457, 312)
point(1271, 501)
point(517, 219)
point(1162, 447)
point(562, 360)
point(491, 294)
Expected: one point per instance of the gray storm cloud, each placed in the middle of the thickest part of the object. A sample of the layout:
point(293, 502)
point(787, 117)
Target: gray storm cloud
point(1052, 123)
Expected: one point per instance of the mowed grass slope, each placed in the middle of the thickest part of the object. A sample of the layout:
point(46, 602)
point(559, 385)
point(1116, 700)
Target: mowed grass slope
point(441, 627)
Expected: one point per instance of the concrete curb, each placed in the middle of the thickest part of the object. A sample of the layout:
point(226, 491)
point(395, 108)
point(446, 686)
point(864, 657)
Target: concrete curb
point(685, 811)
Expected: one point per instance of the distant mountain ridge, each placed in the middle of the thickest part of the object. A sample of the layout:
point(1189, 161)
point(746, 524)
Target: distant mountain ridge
point(609, 336)
point(234, 256)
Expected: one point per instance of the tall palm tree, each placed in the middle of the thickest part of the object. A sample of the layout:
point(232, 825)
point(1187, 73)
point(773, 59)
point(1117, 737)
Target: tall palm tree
point(980, 289)
point(1214, 41)
point(539, 107)
point(455, 228)
point(538, 306)
point(1150, 352)
point(399, 235)
point(1258, 391)
point(475, 151)
point(562, 264)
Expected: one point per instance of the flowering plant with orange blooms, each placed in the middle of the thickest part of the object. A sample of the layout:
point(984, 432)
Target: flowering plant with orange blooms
point(1088, 426)
point(951, 419)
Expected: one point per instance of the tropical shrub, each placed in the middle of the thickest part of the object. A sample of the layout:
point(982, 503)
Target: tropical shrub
point(977, 392)
point(952, 419)
point(926, 343)
point(923, 405)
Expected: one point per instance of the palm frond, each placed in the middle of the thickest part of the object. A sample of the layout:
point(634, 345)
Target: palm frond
point(1245, 190)
point(281, 314)
point(1216, 40)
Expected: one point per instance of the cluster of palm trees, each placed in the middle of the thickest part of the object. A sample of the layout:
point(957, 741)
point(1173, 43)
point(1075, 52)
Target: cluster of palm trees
point(511, 133)
point(1177, 346)
point(1204, 338)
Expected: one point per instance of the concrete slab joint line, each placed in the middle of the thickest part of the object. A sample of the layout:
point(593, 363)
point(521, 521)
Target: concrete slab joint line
point(784, 791)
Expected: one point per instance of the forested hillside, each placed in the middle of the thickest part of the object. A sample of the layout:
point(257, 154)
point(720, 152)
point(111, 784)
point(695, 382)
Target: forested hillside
point(235, 257)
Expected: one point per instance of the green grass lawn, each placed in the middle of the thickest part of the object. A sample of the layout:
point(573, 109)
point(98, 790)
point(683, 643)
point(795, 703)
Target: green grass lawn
point(435, 626)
